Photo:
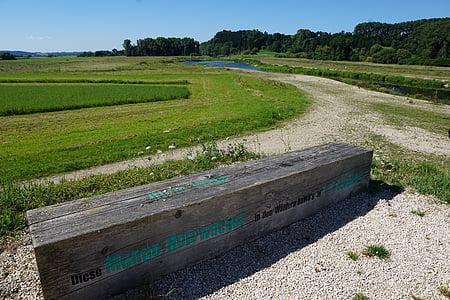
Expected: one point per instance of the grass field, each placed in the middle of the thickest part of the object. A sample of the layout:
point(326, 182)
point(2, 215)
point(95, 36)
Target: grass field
point(84, 80)
point(99, 67)
point(221, 104)
point(424, 72)
point(19, 99)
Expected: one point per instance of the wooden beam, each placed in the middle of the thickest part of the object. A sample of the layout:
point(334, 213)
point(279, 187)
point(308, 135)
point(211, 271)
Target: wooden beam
point(104, 245)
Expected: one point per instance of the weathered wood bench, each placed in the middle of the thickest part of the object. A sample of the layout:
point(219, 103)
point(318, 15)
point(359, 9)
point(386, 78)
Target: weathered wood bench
point(100, 246)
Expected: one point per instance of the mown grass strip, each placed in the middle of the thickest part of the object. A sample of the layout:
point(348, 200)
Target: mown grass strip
point(94, 81)
point(30, 99)
point(16, 199)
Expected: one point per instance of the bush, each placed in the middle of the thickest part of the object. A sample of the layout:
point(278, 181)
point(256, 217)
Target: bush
point(386, 55)
point(7, 56)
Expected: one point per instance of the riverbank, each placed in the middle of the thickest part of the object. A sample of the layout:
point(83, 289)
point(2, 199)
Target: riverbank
point(435, 90)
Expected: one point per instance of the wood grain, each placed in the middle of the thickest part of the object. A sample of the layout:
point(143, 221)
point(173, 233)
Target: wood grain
point(97, 247)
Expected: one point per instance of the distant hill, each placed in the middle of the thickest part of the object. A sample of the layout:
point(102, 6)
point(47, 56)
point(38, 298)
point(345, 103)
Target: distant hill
point(40, 54)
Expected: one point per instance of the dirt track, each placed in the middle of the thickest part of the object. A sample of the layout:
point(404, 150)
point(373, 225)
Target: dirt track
point(339, 113)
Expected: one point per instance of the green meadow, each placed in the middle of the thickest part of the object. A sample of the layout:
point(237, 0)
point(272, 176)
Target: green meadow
point(19, 99)
point(75, 136)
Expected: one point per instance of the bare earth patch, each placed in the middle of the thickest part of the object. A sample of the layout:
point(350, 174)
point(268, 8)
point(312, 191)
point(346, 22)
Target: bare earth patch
point(416, 139)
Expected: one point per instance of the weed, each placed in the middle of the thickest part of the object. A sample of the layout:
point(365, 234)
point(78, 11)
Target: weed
point(427, 174)
point(376, 250)
point(418, 213)
point(352, 255)
point(398, 115)
point(360, 296)
point(445, 291)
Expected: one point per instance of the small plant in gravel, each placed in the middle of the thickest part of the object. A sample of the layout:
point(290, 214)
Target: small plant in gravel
point(418, 213)
point(376, 250)
point(360, 296)
point(445, 291)
point(352, 255)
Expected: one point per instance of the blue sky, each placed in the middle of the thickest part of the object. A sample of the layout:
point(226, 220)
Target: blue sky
point(61, 25)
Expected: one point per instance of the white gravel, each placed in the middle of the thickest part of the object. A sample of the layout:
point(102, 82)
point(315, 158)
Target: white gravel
point(306, 260)
point(19, 278)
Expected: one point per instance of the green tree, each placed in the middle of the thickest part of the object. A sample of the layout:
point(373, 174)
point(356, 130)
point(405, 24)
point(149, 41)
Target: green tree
point(127, 47)
point(386, 55)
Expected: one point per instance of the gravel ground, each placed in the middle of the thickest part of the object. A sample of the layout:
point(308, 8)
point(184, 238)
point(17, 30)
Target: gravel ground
point(19, 277)
point(306, 260)
point(415, 139)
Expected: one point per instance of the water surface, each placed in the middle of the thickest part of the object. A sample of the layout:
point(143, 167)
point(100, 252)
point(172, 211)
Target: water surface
point(221, 64)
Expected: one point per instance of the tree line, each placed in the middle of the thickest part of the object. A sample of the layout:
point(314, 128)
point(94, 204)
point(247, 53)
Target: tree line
point(415, 42)
point(162, 47)
point(7, 56)
point(101, 53)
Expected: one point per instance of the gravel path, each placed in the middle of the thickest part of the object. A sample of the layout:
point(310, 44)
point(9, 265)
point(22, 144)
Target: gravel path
point(306, 260)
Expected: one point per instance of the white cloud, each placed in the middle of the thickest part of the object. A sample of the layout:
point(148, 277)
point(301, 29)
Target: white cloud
point(38, 38)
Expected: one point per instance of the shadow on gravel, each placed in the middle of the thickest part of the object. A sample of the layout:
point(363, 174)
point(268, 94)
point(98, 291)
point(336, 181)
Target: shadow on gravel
point(209, 276)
